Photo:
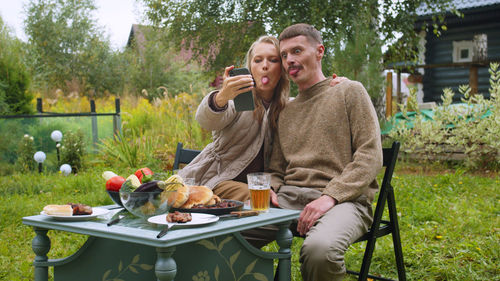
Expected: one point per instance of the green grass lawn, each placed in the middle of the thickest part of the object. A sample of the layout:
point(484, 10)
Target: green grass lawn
point(449, 224)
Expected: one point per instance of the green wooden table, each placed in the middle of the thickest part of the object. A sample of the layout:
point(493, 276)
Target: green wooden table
point(130, 250)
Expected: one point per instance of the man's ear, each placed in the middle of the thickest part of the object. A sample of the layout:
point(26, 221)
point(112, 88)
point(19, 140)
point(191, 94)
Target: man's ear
point(320, 51)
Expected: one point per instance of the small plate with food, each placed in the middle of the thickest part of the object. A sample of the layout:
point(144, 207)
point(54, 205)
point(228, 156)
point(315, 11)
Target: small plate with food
point(201, 199)
point(184, 219)
point(73, 212)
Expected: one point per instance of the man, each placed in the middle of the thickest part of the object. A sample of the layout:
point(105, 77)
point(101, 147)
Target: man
point(326, 156)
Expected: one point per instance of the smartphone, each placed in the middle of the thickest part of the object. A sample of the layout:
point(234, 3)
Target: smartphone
point(243, 101)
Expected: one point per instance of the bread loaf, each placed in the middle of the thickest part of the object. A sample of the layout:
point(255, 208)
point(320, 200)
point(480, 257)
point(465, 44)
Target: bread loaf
point(214, 200)
point(58, 210)
point(179, 197)
point(198, 195)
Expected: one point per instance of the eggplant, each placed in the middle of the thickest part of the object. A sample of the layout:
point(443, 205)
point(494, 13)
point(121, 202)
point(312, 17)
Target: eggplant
point(151, 186)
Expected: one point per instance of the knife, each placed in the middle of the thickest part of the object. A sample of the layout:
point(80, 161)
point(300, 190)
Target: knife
point(239, 214)
point(116, 217)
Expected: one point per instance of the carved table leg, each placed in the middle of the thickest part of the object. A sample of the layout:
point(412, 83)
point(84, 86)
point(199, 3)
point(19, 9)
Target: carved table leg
point(284, 240)
point(165, 267)
point(41, 246)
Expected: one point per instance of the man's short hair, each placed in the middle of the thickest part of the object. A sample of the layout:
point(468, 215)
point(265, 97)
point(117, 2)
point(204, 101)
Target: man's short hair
point(304, 29)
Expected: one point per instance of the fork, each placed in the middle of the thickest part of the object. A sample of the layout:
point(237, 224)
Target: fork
point(164, 231)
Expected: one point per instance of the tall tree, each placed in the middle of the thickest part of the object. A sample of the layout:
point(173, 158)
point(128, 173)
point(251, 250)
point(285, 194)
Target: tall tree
point(229, 24)
point(154, 67)
point(358, 56)
point(14, 77)
point(227, 27)
point(66, 46)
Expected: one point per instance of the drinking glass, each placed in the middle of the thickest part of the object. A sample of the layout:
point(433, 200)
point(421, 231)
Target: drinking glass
point(259, 185)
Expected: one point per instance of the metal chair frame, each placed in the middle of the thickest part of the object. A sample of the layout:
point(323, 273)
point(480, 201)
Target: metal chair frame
point(184, 155)
point(382, 227)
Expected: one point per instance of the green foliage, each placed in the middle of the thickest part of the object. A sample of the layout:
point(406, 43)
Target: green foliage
point(359, 59)
point(14, 78)
point(401, 18)
point(25, 152)
point(155, 70)
point(151, 132)
point(468, 129)
point(65, 50)
point(133, 151)
point(73, 150)
point(9, 139)
point(228, 27)
point(218, 33)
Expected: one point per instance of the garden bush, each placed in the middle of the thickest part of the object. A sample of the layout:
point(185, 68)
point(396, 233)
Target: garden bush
point(25, 153)
point(151, 131)
point(471, 128)
point(73, 150)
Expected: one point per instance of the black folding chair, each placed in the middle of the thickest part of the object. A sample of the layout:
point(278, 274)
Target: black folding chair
point(184, 155)
point(382, 227)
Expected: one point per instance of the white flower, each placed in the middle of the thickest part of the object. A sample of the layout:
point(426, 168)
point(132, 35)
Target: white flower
point(58, 145)
point(26, 136)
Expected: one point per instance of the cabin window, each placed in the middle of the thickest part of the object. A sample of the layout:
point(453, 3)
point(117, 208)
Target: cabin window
point(462, 51)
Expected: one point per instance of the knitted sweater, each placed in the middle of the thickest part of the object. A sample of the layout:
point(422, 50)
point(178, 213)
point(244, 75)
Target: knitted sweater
point(329, 139)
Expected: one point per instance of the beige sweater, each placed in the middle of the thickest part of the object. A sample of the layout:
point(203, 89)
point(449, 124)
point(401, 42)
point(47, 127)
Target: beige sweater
point(329, 137)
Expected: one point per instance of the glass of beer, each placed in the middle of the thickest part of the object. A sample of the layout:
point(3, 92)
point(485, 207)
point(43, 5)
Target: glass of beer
point(259, 185)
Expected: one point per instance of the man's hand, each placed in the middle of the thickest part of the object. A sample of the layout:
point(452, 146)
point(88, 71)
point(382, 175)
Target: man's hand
point(337, 80)
point(313, 211)
point(274, 198)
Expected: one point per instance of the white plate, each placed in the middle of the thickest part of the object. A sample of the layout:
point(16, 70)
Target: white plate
point(95, 212)
point(196, 219)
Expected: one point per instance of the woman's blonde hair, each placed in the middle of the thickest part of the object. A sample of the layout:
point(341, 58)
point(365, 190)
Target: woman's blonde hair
point(281, 91)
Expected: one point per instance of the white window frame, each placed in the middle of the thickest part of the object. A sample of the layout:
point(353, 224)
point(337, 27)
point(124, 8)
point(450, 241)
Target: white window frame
point(458, 46)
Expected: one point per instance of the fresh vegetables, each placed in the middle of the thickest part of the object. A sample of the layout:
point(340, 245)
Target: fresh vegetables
point(160, 176)
point(127, 186)
point(114, 183)
point(142, 181)
point(144, 174)
point(151, 186)
point(108, 174)
point(134, 181)
point(144, 193)
point(174, 182)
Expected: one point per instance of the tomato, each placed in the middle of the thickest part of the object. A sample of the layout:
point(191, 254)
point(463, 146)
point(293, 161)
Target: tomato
point(115, 183)
point(143, 172)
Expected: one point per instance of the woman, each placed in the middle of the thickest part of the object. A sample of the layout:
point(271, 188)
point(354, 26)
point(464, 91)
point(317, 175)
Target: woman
point(242, 140)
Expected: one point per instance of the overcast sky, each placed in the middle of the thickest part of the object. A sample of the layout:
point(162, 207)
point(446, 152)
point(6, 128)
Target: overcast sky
point(114, 16)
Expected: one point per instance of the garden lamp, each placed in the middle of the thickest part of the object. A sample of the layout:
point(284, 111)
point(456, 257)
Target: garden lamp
point(56, 136)
point(65, 169)
point(39, 158)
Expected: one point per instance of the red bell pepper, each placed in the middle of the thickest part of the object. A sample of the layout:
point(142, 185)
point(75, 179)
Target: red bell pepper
point(144, 174)
point(115, 183)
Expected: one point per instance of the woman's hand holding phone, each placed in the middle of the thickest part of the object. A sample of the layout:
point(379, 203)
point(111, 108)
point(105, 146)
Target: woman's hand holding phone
point(233, 86)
